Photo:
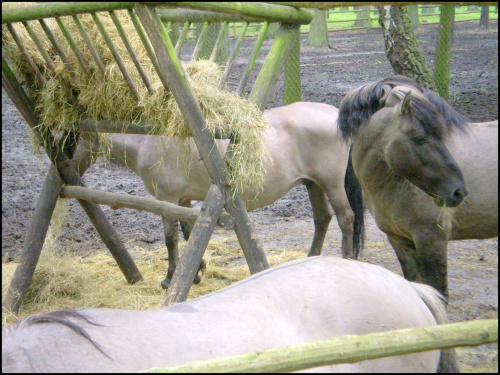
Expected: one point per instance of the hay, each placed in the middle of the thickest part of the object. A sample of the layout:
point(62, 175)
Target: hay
point(63, 281)
point(107, 96)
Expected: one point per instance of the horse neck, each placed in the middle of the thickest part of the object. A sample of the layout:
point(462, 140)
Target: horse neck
point(368, 159)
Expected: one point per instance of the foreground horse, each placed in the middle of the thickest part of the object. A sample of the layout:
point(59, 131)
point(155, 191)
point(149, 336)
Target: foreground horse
point(427, 176)
point(304, 146)
point(301, 301)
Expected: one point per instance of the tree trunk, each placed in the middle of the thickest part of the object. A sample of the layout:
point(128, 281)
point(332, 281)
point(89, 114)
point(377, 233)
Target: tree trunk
point(363, 14)
point(443, 48)
point(413, 13)
point(485, 17)
point(318, 32)
point(401, 45)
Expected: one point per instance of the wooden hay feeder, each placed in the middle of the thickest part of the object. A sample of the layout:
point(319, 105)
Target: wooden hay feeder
point(148, 22)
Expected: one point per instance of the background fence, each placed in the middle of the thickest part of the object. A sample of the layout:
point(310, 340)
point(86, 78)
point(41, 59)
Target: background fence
point(340, 19)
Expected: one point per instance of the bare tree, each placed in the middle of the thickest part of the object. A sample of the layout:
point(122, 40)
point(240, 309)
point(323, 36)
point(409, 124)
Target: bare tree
point(401, 45)
point(485, 17)
point(318, 31)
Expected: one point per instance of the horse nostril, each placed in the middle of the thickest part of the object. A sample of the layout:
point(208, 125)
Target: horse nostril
point(459, 195)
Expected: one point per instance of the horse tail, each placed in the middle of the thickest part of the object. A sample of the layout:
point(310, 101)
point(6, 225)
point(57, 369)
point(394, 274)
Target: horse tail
point(437, 305)
point(355, 198)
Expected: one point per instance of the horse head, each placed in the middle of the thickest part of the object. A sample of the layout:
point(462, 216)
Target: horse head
point(414, 146)
point(414, 124)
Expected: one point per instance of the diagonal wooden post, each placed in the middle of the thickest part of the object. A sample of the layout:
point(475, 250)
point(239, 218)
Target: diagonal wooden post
point(34, 241)
point(172, 72)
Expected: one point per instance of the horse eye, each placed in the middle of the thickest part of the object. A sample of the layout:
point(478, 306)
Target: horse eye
point(419, 140)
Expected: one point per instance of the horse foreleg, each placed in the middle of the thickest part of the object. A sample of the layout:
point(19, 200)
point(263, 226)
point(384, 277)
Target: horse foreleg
point(186, 231)
point(406, 253)
point(345, 218)
point(322, 215)
point(432, 261)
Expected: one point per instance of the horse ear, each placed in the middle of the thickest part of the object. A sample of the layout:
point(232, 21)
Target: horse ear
point(405, 105)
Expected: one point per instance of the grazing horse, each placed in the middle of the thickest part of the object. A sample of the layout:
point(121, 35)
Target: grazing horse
point(301, 301)
point(304, 146)
point(428, 175)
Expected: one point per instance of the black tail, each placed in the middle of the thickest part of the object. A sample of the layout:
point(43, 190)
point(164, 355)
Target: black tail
point(355, 197)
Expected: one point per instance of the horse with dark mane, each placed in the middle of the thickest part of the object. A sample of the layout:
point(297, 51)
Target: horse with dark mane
point(428, 175)
point(306, 300)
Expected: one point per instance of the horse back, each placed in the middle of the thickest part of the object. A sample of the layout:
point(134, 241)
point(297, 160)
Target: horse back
point(309, 142)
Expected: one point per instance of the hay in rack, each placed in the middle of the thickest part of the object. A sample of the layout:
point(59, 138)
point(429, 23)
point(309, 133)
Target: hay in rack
point(70, 95)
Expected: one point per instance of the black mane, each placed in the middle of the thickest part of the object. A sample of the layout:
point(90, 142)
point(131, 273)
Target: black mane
point(63, 317)
point(434, 115)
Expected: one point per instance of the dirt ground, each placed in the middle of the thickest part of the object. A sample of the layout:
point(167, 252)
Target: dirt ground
point(327, 75)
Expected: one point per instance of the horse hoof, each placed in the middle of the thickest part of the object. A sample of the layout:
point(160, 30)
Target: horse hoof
point(165, 283)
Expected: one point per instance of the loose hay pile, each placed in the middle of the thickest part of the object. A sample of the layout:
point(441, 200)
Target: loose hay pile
point(107, 95)
point(63, 281)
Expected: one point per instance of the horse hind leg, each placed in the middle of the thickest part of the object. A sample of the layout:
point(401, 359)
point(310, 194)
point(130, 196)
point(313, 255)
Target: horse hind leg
point(322, 215)
point(171, 232)
point(345, 218)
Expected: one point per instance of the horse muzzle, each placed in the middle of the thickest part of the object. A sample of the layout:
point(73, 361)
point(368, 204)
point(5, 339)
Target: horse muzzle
point(453, 200)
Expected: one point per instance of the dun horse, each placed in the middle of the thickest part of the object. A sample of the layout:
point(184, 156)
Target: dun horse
point(426, 174)
point(302, 301)
point(304, 146)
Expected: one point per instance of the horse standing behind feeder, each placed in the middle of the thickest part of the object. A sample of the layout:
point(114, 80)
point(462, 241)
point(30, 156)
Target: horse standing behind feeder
point(297, 302)
point(427, 175)
point(304, 147)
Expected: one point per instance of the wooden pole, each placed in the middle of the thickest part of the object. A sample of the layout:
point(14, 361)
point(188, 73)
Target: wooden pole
point(34, 241)
point(219, 41)
point(234, 53)
point(181, 38)
point(200, 41)
point(253, 58)
point(348, 349)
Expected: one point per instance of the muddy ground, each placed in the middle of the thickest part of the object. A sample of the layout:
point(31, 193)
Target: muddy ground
point(327, 75)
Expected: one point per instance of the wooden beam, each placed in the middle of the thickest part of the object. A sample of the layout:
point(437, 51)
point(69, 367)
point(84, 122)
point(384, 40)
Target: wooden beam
point(347, 349)
point(39, 11)
point(267, 11)
point(116, 201)
point(340, 4)
point(192, 15)
point(128, 127)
